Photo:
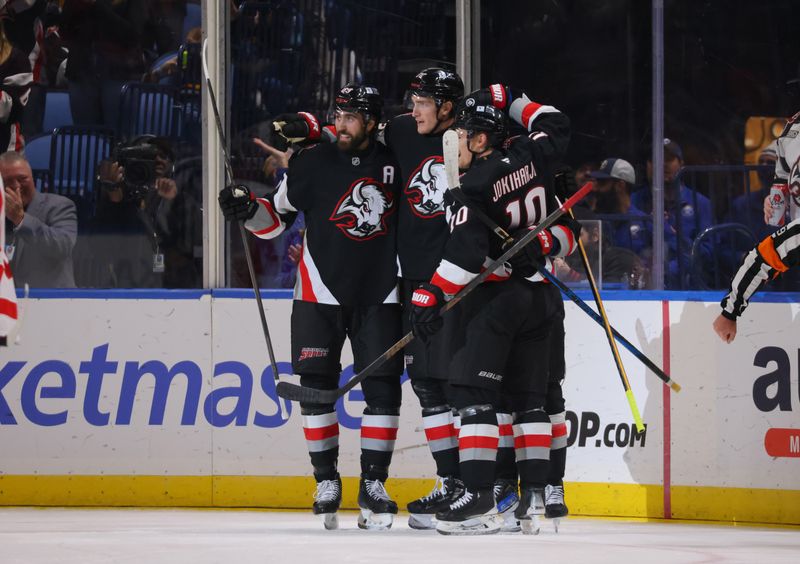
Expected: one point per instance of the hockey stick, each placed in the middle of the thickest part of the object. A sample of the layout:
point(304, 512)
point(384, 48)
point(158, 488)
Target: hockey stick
point(637, 418)
point(295, 392)
point(242, 231)
point(451, 169)
point(450, 150)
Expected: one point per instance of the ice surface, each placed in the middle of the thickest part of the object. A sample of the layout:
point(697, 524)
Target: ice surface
point(177, 536)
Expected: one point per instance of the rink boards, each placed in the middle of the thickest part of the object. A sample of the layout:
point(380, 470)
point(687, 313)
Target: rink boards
point(168, 399)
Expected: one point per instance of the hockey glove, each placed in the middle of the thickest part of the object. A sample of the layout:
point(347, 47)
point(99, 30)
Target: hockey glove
point(525, 261)
point(564, 182)
point(296, 128)
point(426, 311)
point(497, 95)
point(237, 203)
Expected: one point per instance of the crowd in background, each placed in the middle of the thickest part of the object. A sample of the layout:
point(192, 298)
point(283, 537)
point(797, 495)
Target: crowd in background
point(290, 55)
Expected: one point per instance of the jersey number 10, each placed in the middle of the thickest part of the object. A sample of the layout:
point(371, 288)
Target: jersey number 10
point(532, 204)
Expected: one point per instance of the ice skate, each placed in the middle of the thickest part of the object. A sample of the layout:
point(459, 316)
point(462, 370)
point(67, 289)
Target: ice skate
point(554, 506)
point(377, 508)
point(423, 510)
point(327, 499)
point(474, 513)
point(530, 510)
point(507, 499)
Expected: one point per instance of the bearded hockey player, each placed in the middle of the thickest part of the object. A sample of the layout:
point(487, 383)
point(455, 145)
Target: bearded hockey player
point(346, 287)
point(507, 323)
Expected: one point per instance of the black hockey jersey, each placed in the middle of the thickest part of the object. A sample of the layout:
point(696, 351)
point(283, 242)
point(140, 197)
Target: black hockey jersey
point(422, 229)
point(349, 201)
point(514, 188)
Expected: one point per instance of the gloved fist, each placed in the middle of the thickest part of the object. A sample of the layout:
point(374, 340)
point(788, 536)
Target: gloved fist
point(426, 311)
point(564, 182)
point(298, 127)
point(496, 95)
point(237, 203)
point(525, 261)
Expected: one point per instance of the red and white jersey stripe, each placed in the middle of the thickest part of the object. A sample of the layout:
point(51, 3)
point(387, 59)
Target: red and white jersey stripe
point(321, 431)
point(379, 432)
point(525, 112)
point(8, 297)
point(532, 441)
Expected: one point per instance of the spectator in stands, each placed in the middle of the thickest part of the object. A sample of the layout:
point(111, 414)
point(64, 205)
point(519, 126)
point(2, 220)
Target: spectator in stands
point(748, 208)
point(105, 51)
point(614, 181)
point(146, 235)
point(687, 213)
point(41, 229)
point(168, 69)
point(15, 85)
point(621, 267)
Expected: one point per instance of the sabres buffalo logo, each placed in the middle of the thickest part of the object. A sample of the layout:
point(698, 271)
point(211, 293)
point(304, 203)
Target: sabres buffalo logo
point(426, 188)
point(362, 211)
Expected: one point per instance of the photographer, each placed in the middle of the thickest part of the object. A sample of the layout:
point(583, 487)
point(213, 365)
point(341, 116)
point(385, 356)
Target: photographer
point(147, 228)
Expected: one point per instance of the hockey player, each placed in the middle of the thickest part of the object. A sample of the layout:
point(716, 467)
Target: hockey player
point(415, 139)
point(346, 287)
point(788, 194)
point(507, 324)
point(549, 130)
point(773, 256)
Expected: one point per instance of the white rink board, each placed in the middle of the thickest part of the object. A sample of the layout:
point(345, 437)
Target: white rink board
point(717, 432)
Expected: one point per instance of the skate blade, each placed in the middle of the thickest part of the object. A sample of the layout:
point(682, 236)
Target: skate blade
point(421, 521)
point(370, 521)
point(484, 525)
point(531, 526)
point(330, 521)
point(508, 521)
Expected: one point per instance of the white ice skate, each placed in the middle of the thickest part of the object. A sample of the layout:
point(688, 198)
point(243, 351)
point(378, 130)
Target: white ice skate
point(327, 499)
point(554, 506)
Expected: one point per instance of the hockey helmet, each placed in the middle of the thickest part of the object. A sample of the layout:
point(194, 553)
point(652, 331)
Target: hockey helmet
point(366, 100)
point(474, 116)
point(439, 84)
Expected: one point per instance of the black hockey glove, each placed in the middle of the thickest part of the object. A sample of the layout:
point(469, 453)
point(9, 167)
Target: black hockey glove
point(524, 263)
point(296, 128)
point(426, 311)
point(497, 95)
point(564, 182)
point(237, 203)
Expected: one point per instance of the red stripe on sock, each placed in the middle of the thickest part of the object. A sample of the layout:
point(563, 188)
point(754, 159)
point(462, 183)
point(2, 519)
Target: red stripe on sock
point(319, 433)
point(525, 441)
point(381, 433)
point(477, 442)
point(506, 430)
point(559, 430)
point(441, 432)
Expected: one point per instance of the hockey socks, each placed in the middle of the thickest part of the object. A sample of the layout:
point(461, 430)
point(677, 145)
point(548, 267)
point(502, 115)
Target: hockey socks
point(558, 449)
point(477, 446)
point(442, 439)
point(322, 439)
point(532, 446)
point(378, 435)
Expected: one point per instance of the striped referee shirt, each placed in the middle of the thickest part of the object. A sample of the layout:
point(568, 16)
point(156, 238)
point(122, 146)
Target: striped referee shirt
point(774, 255)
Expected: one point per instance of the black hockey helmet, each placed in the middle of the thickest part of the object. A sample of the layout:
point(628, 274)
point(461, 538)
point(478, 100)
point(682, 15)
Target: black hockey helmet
point(439, 84)
point(474, 116)
point(366, 100)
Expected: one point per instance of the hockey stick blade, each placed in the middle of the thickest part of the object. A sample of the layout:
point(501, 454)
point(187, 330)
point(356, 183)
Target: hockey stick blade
point(314, 395)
